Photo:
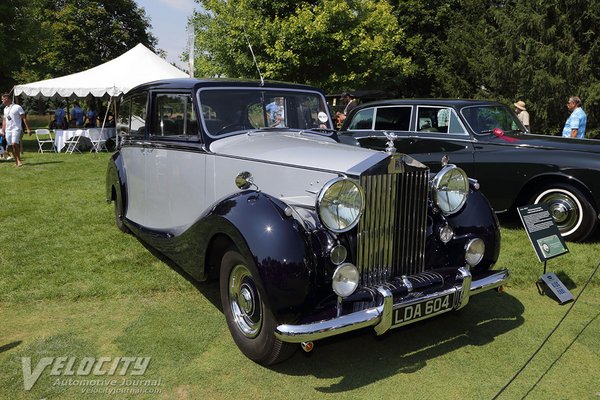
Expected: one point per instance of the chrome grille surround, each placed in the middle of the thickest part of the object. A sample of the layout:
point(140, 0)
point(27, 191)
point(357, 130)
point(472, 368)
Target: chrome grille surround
point(391, 232)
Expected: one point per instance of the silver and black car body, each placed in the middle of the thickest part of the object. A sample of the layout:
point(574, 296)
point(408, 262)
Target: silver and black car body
point(488, 142)
point(247, 184)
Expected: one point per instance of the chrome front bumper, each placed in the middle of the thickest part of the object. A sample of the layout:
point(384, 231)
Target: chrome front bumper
point(381, 317)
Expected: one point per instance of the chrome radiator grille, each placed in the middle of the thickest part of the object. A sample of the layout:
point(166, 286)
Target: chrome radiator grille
point(391, 232)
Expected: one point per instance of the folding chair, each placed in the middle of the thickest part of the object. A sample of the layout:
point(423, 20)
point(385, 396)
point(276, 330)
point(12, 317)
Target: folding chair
point(44, 136)
point(98, 142)
point(73, 144)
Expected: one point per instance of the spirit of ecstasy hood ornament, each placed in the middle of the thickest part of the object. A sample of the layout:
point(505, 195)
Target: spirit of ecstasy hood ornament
point(390, 148)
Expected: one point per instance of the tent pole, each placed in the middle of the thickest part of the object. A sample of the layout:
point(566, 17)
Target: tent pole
point(105, 117)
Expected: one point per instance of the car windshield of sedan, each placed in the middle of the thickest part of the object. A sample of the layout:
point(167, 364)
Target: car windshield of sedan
point(235, 111)
point(484, 119)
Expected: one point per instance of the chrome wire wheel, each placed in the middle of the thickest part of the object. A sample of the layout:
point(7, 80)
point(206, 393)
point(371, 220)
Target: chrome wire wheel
point(245, 302)
point(565, 208)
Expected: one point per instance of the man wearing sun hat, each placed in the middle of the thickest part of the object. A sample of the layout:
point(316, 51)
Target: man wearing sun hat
point(522, 113)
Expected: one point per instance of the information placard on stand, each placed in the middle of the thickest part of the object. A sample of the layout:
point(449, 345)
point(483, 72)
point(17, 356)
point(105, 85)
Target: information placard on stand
point(542, 231)
point(547, 243)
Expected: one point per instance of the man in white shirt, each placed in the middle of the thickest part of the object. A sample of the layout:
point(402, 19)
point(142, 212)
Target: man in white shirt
point(11, 126)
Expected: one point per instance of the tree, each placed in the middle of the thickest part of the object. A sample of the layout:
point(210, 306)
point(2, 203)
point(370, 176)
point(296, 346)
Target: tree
point(15, 38)
point(540, 52)
point(332, 44)
point(79, 34)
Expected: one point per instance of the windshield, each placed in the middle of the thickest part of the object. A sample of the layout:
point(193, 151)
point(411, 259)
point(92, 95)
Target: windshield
point(229, 111)
point(483, 119)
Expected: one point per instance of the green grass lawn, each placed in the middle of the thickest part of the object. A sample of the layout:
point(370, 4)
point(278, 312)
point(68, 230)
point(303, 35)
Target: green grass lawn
point(72, 285)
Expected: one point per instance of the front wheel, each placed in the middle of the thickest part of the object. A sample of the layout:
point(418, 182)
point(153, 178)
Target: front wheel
point(572, 212)
point(249, 319)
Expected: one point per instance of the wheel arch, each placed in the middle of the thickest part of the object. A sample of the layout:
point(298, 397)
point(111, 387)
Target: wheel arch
point(538, 182)
point(274, 244)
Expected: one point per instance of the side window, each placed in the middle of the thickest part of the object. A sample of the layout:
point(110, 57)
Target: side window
point(433, 119)
point(137, 117)
point(173, 115)
point(455, 126)
point(362, 120)
point(124, 114)
point(393, 118)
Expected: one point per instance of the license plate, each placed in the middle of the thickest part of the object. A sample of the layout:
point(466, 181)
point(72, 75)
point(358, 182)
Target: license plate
point(427, 308)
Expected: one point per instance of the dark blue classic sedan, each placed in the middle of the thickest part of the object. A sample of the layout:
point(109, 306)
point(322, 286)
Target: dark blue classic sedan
point(486, 139)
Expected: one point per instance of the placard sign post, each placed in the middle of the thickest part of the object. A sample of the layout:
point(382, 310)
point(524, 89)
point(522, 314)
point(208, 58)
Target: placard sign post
point(547, 243)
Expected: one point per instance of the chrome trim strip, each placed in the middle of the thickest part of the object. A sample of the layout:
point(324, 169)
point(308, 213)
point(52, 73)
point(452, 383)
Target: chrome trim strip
point(381, 316)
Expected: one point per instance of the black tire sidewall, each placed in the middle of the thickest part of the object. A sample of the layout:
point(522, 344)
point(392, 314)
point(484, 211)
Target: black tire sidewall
point(588, 222)
point(119, 213)
point(265, 348)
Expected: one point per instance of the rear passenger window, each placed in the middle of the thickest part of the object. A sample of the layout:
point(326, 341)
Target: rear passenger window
point(362, 120)
point(132, 116)
point(393, 118)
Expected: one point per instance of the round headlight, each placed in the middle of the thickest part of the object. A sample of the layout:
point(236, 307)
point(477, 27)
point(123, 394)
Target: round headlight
point(345, 280)
point(474, 251)
point(450, 189)
point(339, 204)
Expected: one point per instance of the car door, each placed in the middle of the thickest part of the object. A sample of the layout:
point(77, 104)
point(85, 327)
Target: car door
point(131, 128)
point(426, 133)
point(175, 164)
point(437, 131)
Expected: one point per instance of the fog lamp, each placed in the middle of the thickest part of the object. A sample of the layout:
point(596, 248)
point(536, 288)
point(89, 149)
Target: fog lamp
point(446, 233)
point(345, 280)
point(474, 251)
point(338, 254)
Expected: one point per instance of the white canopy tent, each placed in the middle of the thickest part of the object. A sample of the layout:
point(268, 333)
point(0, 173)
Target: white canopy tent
point(138, 65)
point(114, 78)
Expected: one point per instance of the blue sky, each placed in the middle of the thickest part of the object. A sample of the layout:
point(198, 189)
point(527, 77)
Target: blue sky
point(168, 19)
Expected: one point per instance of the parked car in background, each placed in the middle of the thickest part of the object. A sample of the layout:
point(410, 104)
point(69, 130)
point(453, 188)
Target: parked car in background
point(488, 142)
point(246, 184)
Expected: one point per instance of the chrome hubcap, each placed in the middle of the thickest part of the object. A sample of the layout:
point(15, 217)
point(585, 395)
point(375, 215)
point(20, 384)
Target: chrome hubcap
point(244, 301)
point(564, 208)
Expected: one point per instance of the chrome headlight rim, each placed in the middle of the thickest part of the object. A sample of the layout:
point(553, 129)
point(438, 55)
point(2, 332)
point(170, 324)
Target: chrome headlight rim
point(323, 192)
point(473, 256)
point(339, 282)
point(437, 189)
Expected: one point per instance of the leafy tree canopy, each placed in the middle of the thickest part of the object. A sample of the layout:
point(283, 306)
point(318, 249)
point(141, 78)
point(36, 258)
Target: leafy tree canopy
point(329, 43)
point(49, 38)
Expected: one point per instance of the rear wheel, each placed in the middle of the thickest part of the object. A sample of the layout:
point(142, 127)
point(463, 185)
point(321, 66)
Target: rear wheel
point(572, 212)
point(119, 213)
point(250, 321)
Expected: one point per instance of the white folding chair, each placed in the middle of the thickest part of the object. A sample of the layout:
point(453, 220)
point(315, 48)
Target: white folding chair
point(43, 137)
point(98, 142)
point(73, 143)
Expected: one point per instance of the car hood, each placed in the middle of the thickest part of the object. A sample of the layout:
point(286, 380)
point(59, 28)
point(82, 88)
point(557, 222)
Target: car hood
point(299, 149)
point(547, 142)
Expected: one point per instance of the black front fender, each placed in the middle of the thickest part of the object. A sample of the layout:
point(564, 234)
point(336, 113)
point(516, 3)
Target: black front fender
point(276, 244)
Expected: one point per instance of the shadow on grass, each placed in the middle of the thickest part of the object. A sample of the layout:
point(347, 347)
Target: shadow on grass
point(361, 358)
point(9, 346)
point(209, 289)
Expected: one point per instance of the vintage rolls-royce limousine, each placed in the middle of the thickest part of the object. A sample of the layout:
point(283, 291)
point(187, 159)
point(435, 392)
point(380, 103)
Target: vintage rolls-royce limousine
point(246, 184)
